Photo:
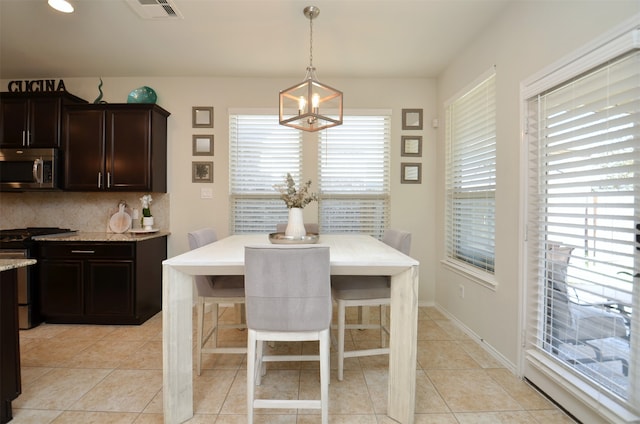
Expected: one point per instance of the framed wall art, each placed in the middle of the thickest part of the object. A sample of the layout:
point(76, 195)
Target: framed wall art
point(202, 172)
point(411, 119)
point(202, 116)
point(411, 173)
point(203, 145)
point(412, 145)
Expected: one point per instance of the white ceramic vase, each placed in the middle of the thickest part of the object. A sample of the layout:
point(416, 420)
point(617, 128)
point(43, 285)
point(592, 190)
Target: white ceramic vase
point(147, 223)
point(295, 224)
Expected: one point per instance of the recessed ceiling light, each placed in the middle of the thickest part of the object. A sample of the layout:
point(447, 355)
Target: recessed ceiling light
point(61, 5)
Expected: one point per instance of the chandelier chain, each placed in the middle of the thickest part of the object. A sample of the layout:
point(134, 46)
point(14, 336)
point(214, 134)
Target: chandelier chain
point(311, 41)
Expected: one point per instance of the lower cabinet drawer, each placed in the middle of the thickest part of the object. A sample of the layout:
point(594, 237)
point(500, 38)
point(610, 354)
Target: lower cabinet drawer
point(80, 250)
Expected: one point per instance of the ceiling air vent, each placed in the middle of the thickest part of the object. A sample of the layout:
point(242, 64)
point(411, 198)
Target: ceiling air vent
point(155, 9)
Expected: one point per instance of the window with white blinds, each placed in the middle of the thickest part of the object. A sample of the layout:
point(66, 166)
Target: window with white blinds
point(583, 207)
point(262, 152)
point(471, 178)
point(354, 176)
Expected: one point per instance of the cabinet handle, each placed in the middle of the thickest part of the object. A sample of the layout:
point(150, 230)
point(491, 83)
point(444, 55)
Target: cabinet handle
point(99, 179)
point(24, 138)
point(108, 179)
point(88, 252)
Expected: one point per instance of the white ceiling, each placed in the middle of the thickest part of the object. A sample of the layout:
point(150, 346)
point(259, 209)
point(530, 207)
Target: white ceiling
point(239, 38)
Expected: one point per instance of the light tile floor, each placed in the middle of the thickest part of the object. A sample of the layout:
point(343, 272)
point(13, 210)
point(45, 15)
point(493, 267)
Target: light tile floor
point(113, 374)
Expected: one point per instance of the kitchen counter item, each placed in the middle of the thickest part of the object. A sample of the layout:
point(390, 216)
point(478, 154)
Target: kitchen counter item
point(281, 238)
point(142, 94)
point(120, 221)
point(143, 230)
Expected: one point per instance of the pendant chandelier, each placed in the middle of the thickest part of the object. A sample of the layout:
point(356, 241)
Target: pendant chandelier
point(310, 105)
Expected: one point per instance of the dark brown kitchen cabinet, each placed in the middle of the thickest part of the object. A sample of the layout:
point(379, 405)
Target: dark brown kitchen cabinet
point(10, 384)
point(101, 282)
point(115, 147)
point(32, 119)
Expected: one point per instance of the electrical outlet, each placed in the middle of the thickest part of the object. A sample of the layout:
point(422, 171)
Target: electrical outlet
point(206, 193)
point(461, 291)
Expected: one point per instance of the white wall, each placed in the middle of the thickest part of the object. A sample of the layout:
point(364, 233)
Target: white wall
point(527, 37)
point(412, 205)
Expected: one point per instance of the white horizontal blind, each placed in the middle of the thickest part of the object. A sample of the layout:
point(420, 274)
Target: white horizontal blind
point(354, 176)
point(262, 152)
point(471, 177)
point(583, 206)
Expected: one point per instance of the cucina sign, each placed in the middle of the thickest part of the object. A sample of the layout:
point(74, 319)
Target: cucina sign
point(36, 86)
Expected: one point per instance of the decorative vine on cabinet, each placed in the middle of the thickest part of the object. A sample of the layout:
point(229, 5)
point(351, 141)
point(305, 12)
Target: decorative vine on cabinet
point(115, 147)
point(33, 120)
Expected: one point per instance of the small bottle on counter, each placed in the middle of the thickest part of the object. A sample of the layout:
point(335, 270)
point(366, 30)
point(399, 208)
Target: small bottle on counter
point(135, 218)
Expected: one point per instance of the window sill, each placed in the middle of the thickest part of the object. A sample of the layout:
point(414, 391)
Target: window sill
point(483, 278)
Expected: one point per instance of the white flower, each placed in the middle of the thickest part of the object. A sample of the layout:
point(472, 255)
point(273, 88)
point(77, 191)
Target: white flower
point(146, 203)
point(296, 198)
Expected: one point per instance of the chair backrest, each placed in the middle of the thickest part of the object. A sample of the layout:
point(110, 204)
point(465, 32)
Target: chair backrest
point(399, 240)
point(557, 297)
point(308, 226)
point(201, 237)
point(287, 287)
point(197, 239)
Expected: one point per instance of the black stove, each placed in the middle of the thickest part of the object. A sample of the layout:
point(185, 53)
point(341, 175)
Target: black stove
point(18, 237)
point(18, 243)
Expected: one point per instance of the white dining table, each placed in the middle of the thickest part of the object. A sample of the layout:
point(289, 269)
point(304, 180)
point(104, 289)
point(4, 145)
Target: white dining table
point(351, 254)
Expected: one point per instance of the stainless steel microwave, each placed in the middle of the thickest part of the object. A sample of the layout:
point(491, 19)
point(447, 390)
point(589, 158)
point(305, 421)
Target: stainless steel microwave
point(28, 169)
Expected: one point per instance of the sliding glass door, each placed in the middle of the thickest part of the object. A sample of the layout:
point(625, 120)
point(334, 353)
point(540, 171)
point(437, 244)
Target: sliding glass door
point(583, 227)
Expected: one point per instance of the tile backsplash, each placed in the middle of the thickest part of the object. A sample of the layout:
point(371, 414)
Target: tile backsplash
point(87, 211)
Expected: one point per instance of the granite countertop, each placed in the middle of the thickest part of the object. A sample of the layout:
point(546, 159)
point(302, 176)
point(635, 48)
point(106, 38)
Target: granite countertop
point(104, 236)
point(7, 264)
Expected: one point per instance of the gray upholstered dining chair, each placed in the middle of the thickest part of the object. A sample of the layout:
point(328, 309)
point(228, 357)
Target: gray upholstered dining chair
point(311, 227)
point(571, 322)
point(364, 291)
point(288, 298)
point(228, 289)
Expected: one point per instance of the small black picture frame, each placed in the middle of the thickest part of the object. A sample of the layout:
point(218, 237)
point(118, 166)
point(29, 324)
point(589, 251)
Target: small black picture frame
point(411, 145)
point(411, 173)
point(411, 119)
point(201, 172)
point(202, 116)
point(202, 145)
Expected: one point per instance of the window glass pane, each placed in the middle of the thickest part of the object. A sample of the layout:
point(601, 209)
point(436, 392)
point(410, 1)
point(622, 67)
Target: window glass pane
point(262, 152)
point(354, 176)
point(583, 210)
point(470, 177)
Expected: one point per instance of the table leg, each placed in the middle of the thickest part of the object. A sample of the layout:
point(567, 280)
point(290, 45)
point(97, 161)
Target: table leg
point(403, 346)
point(177, 359)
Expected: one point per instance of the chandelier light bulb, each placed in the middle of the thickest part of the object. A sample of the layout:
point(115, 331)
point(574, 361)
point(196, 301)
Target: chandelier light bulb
point(302, 104)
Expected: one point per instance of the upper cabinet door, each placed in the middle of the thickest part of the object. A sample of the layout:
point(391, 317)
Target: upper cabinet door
point(32, 120)
point(115, 147)
point(128, 143)
point(44, 122)
point(84, 150)
point(13, 122)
